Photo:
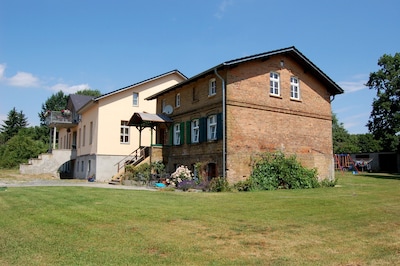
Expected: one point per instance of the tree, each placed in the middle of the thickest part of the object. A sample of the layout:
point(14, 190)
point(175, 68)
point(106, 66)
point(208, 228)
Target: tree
point(384, 121)
point(15, 121)
point(343, 142)
point(88, 92)
point(367, 143)
point(55, 102)
point(19, 149)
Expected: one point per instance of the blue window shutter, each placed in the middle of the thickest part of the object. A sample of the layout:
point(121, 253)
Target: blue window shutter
point(203, 129)
point(219, 126)
point(188, 132)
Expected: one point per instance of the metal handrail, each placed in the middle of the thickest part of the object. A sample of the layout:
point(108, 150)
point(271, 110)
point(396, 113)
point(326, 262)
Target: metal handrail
point(136, 155)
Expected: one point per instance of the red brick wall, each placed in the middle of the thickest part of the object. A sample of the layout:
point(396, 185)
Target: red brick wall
point(258, 122)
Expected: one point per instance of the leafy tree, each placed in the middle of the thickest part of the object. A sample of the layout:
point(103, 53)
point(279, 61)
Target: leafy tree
point(88, 92)
point(343, 142)
point(367, 143)
point(15, 121)
point(19, 149)
point(384, 121)
point(55, 102)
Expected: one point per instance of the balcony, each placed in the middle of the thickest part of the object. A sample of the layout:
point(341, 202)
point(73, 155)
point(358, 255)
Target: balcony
point(64, 119)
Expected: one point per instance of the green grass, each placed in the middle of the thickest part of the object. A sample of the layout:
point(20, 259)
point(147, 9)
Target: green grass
point(356, 223)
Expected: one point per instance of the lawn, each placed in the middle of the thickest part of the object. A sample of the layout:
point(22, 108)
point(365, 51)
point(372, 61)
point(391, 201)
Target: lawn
point(356, 223)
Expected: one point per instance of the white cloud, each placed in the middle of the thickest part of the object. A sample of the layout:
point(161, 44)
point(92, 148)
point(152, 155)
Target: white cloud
point(69, 89)
point(222, 8)
point(23, 79)
point(356, 83)
point(2, 68)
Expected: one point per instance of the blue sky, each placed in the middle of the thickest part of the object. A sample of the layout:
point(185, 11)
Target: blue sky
point(69, 45)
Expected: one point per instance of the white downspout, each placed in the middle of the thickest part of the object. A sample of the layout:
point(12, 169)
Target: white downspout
point(223, 124)
point(54, 137)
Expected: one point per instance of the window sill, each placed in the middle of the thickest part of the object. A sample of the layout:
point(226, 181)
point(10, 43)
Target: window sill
point(275, 96)
point(296, 100)
point(211, 96)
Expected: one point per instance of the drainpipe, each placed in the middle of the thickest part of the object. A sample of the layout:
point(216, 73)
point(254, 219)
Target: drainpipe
point(223, 124)
point(54, 137)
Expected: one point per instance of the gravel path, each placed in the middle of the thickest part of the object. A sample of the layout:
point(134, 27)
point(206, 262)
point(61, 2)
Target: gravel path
point(65, 182)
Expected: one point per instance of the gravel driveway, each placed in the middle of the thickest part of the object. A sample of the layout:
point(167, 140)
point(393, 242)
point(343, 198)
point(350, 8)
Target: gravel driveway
point(64, 182)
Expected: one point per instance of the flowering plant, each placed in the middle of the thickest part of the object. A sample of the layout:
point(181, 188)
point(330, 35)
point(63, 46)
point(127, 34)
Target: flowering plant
point(66, 112)
point(181, 173)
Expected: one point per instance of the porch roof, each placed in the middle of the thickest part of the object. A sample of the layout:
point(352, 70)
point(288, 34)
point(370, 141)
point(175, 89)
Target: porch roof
point(148, 120)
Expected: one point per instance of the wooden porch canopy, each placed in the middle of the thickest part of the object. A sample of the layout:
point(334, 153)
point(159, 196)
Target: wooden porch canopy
point(143, 120)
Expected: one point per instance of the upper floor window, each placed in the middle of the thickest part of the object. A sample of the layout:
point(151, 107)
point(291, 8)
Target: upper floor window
point(294, 88)
point(274, 87)
point(84, 136)
point(135, 99)
point(177, 134)
point(212, 87)
point(212, 127)
point(195, 131)
point(177, 100)
point(124, 132)
point(91, 133)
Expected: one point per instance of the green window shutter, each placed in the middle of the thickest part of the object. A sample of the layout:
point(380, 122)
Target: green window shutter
point(182, 132)
point(188, 132)
point(171, 135)
point(219, 126)
point(203, 129)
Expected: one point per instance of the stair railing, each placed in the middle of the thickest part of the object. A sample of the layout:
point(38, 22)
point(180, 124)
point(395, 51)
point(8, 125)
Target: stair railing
point(134, 157)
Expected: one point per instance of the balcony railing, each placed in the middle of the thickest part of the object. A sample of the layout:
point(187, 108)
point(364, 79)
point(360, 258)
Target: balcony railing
point(58, 117)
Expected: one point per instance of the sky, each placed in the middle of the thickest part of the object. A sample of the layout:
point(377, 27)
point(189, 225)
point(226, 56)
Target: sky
point(70, 45)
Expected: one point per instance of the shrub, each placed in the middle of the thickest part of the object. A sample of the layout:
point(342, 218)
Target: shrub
point(219, 184)
point(276, 171)
point(244, 185)
point(181, 173)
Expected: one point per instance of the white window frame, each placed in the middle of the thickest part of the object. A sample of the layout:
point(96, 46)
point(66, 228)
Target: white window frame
point(274, 84)
point(195, 128)
point(177, 134)
point(178, 100)
point(212, 127)
point(124, 132)
point(212, 87)
point(135, 100)
point(294, 88)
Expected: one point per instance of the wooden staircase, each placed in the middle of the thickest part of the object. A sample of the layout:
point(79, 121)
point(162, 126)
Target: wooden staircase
point(134, 158)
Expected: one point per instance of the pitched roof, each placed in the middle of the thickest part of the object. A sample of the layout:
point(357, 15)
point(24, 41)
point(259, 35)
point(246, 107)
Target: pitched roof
point(140, 83)
point(290, 51)
point(146, 119)
point(94, 100)
point(79, 100)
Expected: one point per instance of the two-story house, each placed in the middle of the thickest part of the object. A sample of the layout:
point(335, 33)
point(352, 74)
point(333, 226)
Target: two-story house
point(92, 136)
point(222, 117)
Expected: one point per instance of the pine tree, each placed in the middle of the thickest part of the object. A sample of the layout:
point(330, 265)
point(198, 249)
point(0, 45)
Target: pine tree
point(15, 121)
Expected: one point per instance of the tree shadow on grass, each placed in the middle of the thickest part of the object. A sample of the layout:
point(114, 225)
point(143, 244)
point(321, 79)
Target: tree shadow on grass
point(381, 175)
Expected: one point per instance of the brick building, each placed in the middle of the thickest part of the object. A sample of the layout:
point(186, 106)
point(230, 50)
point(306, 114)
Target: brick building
point(278, 100)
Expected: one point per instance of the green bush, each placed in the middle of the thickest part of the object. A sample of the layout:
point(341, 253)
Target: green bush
point(276, 171)
point(244, 185)
point(219, 184)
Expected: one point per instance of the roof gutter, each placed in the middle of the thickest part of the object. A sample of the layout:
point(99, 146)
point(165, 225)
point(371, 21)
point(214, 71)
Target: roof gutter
point(223, 123)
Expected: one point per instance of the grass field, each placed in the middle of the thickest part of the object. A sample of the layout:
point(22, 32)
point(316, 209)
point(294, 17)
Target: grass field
point(356, 223)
